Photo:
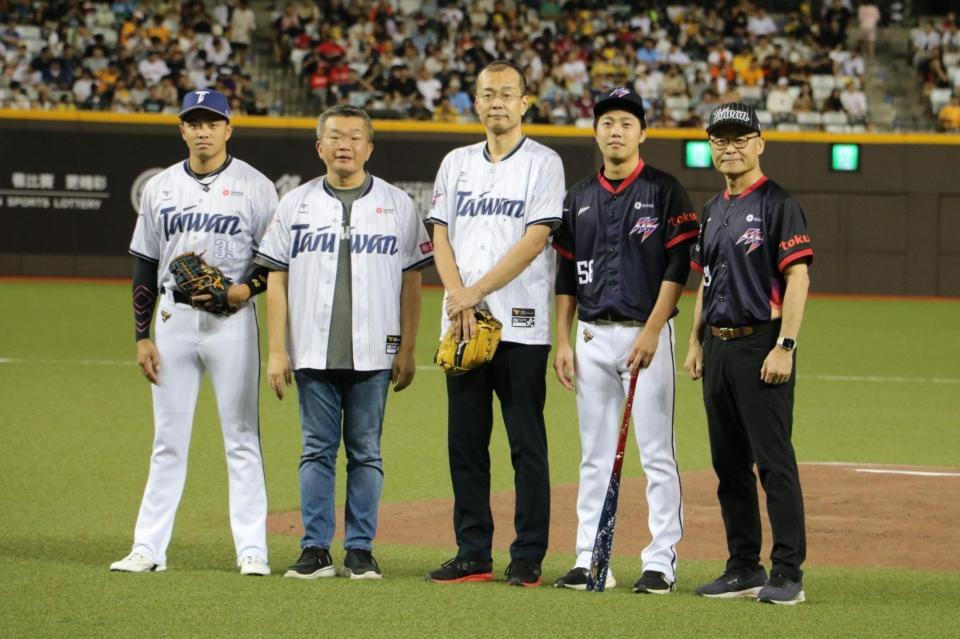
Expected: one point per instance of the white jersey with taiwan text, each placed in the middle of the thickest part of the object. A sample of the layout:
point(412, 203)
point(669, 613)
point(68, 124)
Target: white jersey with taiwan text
point(487, 207)
point(224, 222)
point(387, 238)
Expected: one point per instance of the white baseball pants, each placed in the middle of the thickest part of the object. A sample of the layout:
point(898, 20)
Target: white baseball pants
point(602, 381)
point(190, 342)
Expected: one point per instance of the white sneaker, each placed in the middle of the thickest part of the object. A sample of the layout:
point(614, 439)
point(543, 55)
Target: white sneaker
point(253, 565)
point(135, 562)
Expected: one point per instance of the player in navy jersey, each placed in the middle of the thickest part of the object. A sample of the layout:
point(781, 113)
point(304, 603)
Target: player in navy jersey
point(753, 251)
point(624, 253)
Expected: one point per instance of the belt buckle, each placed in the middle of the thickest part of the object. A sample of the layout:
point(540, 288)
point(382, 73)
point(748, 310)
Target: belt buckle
point(727, 333)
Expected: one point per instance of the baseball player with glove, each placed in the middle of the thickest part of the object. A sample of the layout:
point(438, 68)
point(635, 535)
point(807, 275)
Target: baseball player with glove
point(624, 252)
point(199, 223)
point(495, 204)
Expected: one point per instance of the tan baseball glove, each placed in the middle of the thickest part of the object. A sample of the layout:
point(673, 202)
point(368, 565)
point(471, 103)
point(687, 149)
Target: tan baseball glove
point(457, 357)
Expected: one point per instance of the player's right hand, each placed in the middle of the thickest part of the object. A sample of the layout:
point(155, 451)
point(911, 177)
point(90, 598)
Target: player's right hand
point(563, 365)
point(148, 358)
point(693, 364)
point(278, 372)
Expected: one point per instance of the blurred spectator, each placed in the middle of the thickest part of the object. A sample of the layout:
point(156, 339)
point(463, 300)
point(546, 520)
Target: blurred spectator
point(833, 103)
point(854, 101)
point(868, 15)
point(780, 101)
point(242, 24)
point(949, 115)
point(154, 103)
point(419, 110)
point(429, 87)
point(153, 68)
point(853, 66)
point(804, 102)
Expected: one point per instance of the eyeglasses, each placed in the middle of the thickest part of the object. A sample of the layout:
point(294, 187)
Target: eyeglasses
point(492, 97)
point(738, 143)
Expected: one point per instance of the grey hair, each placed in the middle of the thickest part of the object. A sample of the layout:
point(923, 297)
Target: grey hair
point(345, 111)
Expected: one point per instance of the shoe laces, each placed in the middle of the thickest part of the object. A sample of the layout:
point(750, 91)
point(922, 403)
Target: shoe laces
point(779, 581)
point(520, 562)
point(365, 556)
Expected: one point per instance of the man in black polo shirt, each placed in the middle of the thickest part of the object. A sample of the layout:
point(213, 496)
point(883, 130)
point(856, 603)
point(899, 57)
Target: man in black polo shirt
point(624, 257)
point(753, 252)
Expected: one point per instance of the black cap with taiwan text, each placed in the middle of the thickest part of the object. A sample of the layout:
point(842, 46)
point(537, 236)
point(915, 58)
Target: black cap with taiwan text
point(734, 115)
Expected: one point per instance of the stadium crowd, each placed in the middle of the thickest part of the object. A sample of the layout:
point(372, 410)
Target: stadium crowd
point(419, 59)
point(935, 50)
point(125, 55)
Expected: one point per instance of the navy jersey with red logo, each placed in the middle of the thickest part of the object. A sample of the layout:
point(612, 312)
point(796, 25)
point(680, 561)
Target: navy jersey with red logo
point(746, 242)
point(620, 239)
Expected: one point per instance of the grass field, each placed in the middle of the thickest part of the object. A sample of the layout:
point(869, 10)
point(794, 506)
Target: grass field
point(878, 383)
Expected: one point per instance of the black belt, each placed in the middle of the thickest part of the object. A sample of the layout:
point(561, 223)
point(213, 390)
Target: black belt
point(179, 297)
point(615, 318)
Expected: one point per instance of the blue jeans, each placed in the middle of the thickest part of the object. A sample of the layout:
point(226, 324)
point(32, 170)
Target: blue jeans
point(359, 397)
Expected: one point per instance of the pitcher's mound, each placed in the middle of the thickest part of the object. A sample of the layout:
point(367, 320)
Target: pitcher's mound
point(857, 515)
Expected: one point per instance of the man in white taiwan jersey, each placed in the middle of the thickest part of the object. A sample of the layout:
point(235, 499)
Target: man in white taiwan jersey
point(345, 252)
point(495, 204)
point(219, 206)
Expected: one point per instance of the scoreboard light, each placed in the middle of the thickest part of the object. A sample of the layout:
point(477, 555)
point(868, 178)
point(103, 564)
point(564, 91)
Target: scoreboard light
point(696, 154)
point(845, 158)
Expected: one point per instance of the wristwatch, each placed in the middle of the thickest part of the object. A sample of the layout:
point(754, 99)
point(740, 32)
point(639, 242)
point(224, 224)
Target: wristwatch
point(787, 343)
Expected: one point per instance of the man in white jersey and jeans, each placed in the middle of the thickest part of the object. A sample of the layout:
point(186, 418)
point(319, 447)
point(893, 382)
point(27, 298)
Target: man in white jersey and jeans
point(495, 204)
point(219, 206)
point(345, 252)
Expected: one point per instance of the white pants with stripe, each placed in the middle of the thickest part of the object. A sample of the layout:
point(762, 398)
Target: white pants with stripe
point(190, 342)
point(602, 381)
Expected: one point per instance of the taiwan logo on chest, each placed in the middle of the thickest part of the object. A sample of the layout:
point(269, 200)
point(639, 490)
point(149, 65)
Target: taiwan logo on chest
point(487, 203)
point(191, 220)
point(324, 239)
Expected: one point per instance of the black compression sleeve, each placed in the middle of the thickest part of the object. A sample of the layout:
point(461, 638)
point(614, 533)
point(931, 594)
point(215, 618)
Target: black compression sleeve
point(256, 279)
point(678, 263)
point(566, 283)
point(144, 295)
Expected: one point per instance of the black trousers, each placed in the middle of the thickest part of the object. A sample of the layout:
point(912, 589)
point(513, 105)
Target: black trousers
point(517, 375)
point(751, 422)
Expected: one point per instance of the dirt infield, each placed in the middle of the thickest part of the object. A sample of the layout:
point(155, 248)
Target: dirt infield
point(854, 518)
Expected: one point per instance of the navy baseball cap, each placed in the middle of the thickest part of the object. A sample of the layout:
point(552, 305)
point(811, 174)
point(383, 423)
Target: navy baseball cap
point(734, 115)
point(619, 98)
point(208, 100)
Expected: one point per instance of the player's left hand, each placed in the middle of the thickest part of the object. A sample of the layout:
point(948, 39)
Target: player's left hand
point(462, 299)
point(404, 368)
point(777, 367)
point(644, 348)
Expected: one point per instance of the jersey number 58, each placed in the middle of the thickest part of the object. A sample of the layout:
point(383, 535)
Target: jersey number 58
point(585, 271)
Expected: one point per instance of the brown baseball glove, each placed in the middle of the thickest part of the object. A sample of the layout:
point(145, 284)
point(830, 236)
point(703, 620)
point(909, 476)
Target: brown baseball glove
point(195, 277)
point(457, 357)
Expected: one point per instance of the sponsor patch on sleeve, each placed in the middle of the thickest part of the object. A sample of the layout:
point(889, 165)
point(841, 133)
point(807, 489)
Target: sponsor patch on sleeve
point(523, 318)
point(426, 247)
point(393, 344)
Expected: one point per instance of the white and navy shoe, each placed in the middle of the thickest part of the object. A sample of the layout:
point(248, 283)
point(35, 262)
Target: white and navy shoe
point(576, 579)
point(135, 562)
point(254, 566)
point(652, 582)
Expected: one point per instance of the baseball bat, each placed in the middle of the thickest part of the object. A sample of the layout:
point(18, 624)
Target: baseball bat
point(603, 544)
